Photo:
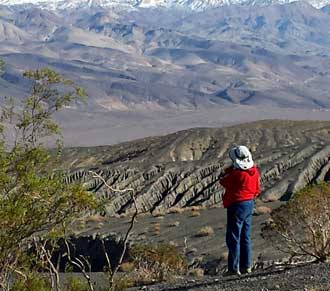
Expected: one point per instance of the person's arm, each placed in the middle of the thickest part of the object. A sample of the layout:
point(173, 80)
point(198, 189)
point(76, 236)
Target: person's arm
point(258, 190)
point(228, 170)
point(227, 178)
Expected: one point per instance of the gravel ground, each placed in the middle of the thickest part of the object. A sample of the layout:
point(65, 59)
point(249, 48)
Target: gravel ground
point(313, 277)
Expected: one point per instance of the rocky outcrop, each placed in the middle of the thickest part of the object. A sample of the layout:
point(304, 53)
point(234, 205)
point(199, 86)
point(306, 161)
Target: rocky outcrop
point(183, 169)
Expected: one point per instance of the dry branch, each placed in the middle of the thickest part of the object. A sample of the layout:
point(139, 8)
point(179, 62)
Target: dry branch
point(80, 264)
point(113, 271)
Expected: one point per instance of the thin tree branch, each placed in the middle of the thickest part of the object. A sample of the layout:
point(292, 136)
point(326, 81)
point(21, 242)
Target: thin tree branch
point(80, 265)
point(128, 232)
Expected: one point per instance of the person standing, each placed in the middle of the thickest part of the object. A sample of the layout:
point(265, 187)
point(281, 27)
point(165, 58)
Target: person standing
point(242, 186)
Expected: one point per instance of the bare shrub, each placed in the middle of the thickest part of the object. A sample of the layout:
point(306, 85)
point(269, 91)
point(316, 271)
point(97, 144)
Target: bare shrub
point(197, 272)
point(113, 280)
point(157, 227)
point(205, 231)
point(176, 210)
point(216, 206)
point(155, 222)
point(253, 147)
point(156, 263)
point(197, 208)
point(158, 213)
point(99, 226)
point(127, 267)
point(195, 214)
point(81, 262)
point(301, 227)
point(261, 210)
point(224, 256)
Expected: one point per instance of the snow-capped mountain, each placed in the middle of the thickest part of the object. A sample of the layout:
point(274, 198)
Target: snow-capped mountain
point(66, 4)
point(191, 4)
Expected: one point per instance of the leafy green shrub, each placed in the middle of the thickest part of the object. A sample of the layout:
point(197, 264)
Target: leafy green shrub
point(76, 284)
point(121, 283)
point(301, 227)
point(32, 282)
point(35, 202)
point(157, 262)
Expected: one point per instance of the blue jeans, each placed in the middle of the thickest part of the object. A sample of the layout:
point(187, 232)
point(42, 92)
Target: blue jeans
point(238, 236)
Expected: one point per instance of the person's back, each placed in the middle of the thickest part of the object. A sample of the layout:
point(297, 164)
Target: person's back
point(242, 186)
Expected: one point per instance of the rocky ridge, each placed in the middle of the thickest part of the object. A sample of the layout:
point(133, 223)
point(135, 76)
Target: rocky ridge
point(182, 169)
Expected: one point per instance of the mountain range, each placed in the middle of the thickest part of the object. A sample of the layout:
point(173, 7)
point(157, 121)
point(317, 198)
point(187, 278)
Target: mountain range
point(190, 4)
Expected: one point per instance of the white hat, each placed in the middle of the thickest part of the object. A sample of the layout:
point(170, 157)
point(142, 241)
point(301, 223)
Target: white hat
point(241, 157)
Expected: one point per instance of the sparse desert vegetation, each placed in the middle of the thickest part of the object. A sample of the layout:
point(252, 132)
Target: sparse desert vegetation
point(158, 214)
point(157, 263)
point(156, 227)
point(205, 231)
point(197, 208)
point(301, 227)
point(261, 210)
point(195, 214)
point(98, 226)
point(197, 272)
point(127, 267)
point(75, 284)
point(224, 256)
point(176, 210)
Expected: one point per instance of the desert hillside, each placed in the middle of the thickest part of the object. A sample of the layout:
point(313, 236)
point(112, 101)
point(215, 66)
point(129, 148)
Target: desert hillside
point(182, 169)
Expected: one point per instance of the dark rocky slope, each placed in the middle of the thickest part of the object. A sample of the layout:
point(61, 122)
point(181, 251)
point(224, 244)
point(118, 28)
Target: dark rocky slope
point(313, 277)
point(182, 169)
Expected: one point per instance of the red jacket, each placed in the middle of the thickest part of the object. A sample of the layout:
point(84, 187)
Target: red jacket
point(240, 185)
